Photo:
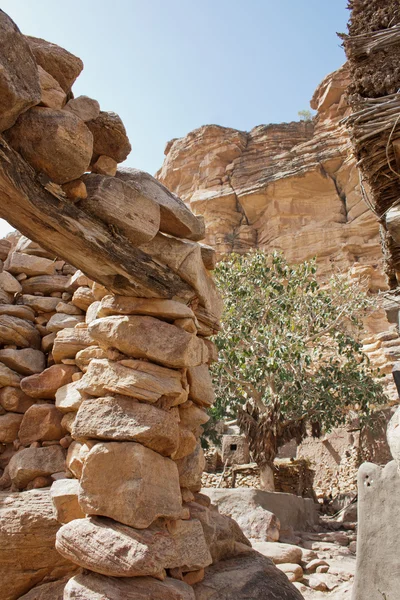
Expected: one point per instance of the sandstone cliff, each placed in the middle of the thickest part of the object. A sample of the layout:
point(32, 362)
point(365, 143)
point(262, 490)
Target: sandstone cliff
point(293, 187)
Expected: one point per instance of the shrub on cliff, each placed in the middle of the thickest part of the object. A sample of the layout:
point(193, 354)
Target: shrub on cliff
point(290, 359)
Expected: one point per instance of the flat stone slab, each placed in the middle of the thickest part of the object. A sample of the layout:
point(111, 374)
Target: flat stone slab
point(378, 568)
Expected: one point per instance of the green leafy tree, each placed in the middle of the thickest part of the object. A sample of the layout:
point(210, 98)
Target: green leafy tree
point(289, 355)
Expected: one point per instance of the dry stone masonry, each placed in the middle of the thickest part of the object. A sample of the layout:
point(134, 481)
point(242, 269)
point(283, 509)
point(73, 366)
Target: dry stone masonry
point(104, 370)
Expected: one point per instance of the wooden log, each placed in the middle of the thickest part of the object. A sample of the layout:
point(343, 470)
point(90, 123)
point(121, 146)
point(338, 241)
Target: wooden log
point(62, 227)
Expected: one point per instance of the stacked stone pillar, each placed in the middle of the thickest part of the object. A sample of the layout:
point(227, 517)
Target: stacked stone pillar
point(135, 420)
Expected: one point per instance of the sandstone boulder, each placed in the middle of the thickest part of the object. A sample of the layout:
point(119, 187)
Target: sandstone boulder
point(110, 548)
point(137, 217)
point(47, 591)
point(18, 263)
point(61, 321)
point(26, 361)
point(52, 94)
point(45, 284)
point(146, 337)
point(68, 398)
point(91, 586)
point(105, 165)
point(45, 385)
point(201, 389)
point(184, 258)
point(69, 342)
point(209, 257)
point(8, 377)
point(64, 495)
point(83, 297)
point(191, 551)
point(109, 137)
point(35, 462)
point(246, 507)
point(190, 469)
point(20, 332)
point(68, 308)
point(187, 443)
point(91, 313)
point(75, 190)
point(293, 572)
point(249, 575)
point(61, 64)
point(41, 422)
point(14, 400)
point(5, 247)
point(9, 427)
point(76, 456)
point(41, 304)
point(17, 310)
point(135, 378)
point(65, 151)
point(221, 532)
point(192, 417)
point(27, 246)
point(83, 107)
point(176, 218)
point(125, 420)
point(151, 307)
point(9, 284)
point(279, 553)
point(19, 78)
point(5, 297)
point(84, 357)
point(143, 488)
point(27, 552)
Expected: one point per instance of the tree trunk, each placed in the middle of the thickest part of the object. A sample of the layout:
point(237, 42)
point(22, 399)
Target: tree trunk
point(267, 483)
point(41, 213)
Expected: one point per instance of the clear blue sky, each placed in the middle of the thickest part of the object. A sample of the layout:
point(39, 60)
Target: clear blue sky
point(169, 66)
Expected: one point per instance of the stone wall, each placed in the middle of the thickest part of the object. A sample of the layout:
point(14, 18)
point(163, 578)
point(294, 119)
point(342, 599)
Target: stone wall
point(104, 374)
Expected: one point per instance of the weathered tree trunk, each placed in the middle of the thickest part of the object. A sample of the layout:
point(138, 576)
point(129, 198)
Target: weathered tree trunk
point(267, 483)
point(83, 240)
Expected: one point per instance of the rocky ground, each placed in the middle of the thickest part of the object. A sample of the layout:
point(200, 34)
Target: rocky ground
point(321, 563)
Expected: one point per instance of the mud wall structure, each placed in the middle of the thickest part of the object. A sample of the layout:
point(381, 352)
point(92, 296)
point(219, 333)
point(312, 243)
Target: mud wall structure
point(104, 371)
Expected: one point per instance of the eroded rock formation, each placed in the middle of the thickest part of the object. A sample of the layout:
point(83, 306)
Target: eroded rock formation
point(292, 186)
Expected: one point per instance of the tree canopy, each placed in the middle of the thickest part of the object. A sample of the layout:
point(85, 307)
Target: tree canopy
point(290, 358)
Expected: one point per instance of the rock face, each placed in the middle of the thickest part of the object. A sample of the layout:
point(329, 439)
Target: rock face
point(291, 186)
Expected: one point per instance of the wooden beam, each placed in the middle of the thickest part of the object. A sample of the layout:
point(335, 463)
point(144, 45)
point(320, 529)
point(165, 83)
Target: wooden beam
point(83, 240)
